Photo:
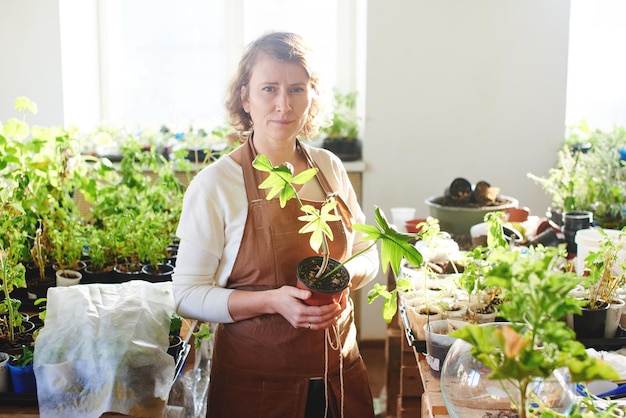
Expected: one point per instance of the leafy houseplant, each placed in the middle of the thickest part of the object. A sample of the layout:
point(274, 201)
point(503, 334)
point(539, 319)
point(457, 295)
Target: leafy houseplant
point(607, 268)
point(12, 276)
point(342, 134)
point(589, 175)
point(42, 169)
point(535, 343)
point(394, 245)
point(100, 249)
point(477, 265)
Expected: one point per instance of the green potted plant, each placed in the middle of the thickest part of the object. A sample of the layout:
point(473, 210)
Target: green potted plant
point(341, 136)
point(42, 169)
point(536, 342)
point(152, 245)
point(12, 276)
point(589, 175)
point(67, 238)
point(200, 146)
point(22, 373)
point(604, 274)
point(394, 245)
point(100, 242)
point(484, 299)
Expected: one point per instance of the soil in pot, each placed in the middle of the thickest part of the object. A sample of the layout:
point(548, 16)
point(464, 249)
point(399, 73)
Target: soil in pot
point(36, 287)
point(438, 342)
point(125, 273)
point(68, 277)
point(159, 273)
point(107, 275)
point(327, 289)
point(23, 337)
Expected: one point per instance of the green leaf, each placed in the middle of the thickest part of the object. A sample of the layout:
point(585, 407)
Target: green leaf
point(204, 332)
point(17, 129)
point(280, 179)
point(317, 223)
point(23, 103)
point(394, 245)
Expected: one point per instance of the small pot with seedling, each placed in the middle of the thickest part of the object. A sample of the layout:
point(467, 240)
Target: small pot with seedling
point(22, 373)
point(395, 245)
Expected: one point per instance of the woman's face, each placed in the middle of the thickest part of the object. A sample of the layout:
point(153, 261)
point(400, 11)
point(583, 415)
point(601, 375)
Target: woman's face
point(277, 98)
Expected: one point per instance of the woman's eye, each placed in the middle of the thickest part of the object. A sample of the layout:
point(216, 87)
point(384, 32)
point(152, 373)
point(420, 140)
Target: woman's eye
point(269, 89)
point(297, 89)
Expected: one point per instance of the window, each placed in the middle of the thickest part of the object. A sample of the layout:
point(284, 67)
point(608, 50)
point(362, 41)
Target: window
point(163, 62)
point(596, 89)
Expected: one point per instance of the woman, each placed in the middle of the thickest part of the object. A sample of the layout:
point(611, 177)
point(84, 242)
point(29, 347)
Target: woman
point(274, 355)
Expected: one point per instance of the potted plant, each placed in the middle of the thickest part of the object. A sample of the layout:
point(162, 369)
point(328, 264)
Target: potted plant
point(342, 134)
point(125, 227)
point(483, 299)
point(42, 169)
point(100, 242)
point(22, 373)
point(66, 233)
point(588, 175)
point(534, 344)
point(394, 245)
point(12, 276)
point(460, 208)
point(605, 271)
point(152, 245)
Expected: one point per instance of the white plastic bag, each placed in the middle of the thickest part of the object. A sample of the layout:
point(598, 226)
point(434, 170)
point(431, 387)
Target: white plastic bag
point(103, 348)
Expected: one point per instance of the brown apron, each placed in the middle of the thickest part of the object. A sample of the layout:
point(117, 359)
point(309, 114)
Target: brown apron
point(261, 366)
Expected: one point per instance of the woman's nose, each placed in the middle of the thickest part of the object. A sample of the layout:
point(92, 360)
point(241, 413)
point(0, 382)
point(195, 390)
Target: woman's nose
point(282, 103)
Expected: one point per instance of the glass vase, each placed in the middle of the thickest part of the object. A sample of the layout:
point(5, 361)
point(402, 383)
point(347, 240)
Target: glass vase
point(468, 392)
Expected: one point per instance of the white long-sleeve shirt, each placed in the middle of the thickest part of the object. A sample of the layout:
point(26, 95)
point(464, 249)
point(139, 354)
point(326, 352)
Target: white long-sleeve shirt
point(211, 227)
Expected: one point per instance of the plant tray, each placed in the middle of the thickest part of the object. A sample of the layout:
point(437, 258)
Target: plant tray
point(419, 345)
point(600, 344)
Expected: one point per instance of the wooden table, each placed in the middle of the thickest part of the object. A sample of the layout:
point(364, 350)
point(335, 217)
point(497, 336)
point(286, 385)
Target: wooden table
point(432, 400)
point(412, 391)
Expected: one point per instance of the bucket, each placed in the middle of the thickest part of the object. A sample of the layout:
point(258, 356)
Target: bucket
point(589, 240)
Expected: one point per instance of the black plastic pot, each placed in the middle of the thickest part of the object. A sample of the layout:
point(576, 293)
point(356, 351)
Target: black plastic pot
point(159, 273)
point(574, 221)
point(591, 323)
point(124, 274)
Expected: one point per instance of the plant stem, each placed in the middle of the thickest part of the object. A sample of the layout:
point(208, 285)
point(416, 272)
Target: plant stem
point(349, 258)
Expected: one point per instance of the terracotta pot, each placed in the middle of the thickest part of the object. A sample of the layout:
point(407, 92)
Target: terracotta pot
point(327, 290)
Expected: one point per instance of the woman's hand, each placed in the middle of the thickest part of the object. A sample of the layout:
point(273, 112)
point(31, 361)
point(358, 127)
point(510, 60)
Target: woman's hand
point(289, 302)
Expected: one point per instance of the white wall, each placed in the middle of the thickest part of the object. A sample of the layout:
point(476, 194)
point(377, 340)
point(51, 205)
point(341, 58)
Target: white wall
point(456, 88)
point(30, 42)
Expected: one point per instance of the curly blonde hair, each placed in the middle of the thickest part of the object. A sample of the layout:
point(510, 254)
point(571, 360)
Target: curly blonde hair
point(283, 46)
